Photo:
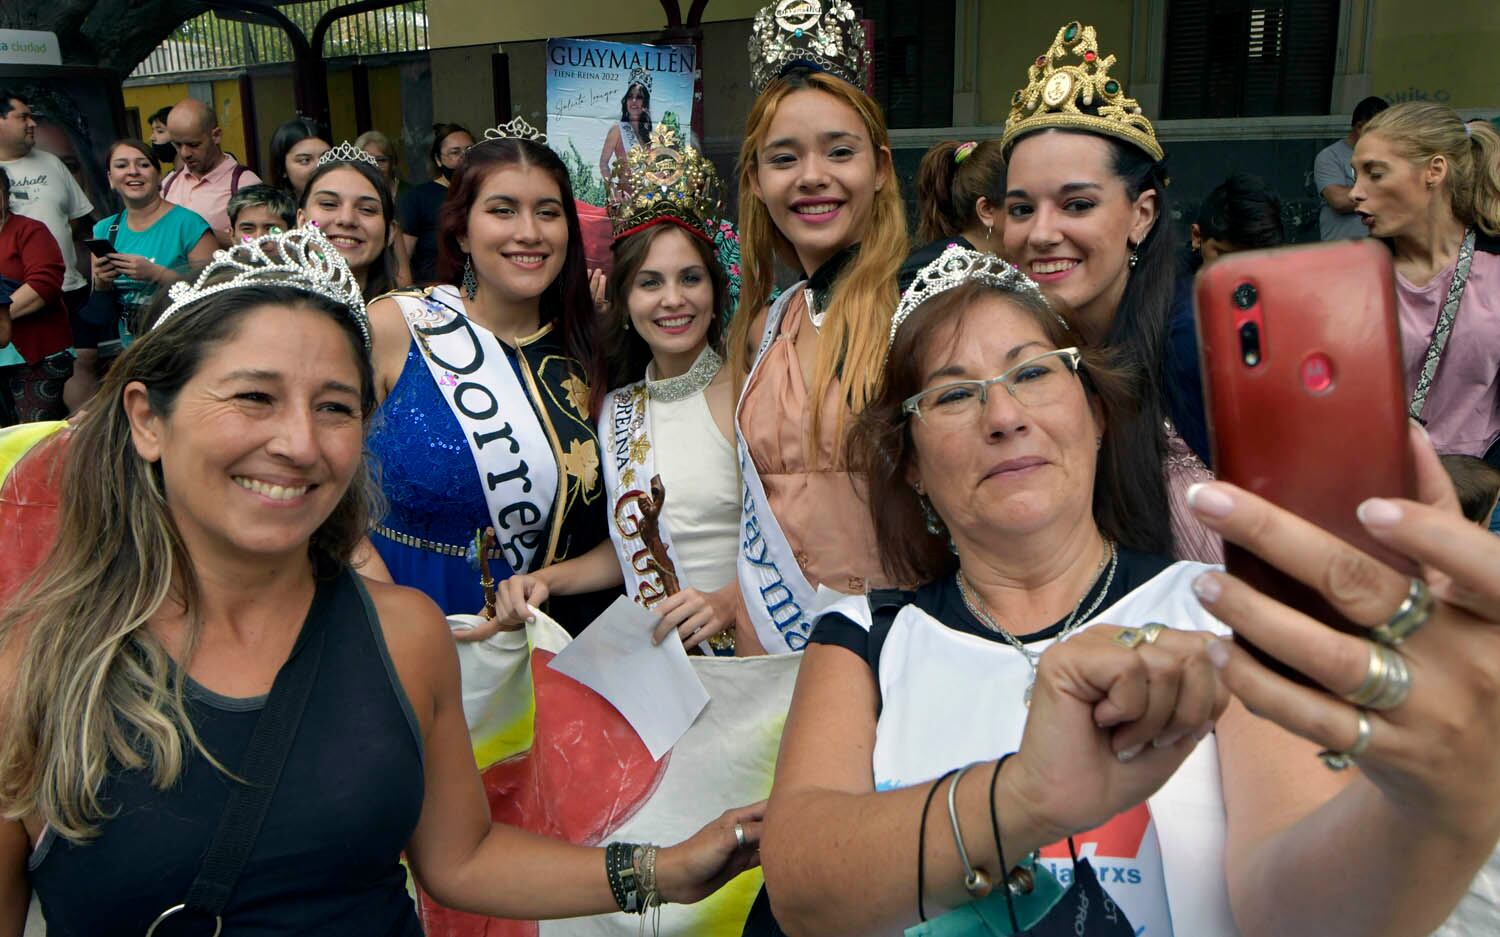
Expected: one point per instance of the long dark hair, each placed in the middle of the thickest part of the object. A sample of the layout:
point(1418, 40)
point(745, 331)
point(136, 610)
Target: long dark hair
point(643, 126)
point(287, 136)
point(880, 443)
point(381, 277)
point(628, 352)
point(1242, 211)
point(566, 302)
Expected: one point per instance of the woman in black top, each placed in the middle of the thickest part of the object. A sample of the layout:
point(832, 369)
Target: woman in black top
point(420, 204)
point(209, 506)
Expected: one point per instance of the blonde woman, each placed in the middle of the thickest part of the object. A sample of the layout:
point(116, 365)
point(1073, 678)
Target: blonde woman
point(817, 192)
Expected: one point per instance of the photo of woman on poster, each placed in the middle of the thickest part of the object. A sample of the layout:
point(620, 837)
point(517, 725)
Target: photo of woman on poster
point(635, 122)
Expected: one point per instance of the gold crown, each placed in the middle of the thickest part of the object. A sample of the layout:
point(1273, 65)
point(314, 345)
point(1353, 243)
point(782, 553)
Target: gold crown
point(1077, 95)
point(825, 35)
point(666, 180)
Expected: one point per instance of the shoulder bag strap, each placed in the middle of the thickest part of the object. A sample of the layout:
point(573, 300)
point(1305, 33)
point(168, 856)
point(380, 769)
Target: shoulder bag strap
point(275, 730)
point(1443, 328)
point(167, 183)
point(234, 179)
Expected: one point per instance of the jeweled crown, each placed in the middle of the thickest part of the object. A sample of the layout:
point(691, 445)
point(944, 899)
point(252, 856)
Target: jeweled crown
point(640, 76)
point(515, 129)
point(347, 152)
point(954, 267)
point(825, 35)
point(1070, 87)
point(301, 259)
point(666, 180)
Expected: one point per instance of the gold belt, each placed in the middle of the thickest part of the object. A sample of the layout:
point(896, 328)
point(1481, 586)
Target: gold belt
point(432, 546)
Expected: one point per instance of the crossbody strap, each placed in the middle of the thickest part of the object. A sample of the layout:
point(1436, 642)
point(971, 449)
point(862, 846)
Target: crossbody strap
point(1444, 327)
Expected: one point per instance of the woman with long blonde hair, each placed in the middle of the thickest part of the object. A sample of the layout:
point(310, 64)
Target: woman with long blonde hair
point(818, 192)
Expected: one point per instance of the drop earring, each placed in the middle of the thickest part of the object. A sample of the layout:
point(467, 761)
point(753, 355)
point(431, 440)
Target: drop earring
point(471, 285)
point(989, 229)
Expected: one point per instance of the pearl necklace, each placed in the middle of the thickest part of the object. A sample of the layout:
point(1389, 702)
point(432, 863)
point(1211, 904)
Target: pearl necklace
point(690, 382)
point(1071, 624)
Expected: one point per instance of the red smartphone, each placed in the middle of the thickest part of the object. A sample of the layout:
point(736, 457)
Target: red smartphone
point(1301, 354)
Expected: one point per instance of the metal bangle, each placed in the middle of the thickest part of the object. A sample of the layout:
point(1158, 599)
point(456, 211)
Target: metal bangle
point(976, 881)
point(1408, 619)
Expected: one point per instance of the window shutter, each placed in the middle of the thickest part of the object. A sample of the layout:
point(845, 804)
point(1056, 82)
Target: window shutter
point(1249, 58)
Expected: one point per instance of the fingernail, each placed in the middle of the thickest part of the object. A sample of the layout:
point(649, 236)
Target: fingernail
point(1378, 512)
point(1203, 732)
point(1420, 428)
point(530, 619)
point(1129, 754)
point(1207, 587)
point(1167, 741)
point(1210, 501)
point(1218, 653)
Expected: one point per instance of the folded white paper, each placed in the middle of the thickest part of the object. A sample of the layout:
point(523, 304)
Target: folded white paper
point(653, 686)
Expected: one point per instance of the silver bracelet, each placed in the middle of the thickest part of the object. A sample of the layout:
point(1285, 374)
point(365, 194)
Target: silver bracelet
point(976, 881)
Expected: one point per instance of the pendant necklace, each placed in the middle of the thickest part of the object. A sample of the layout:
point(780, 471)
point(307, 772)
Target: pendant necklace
point(1071, 624)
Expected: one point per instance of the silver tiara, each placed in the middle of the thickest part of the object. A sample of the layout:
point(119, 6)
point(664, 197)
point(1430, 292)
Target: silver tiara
point(825, 35)
point(642, 77)
point(517, 129)
point(301, 259)
point(955, 267)
point(347, 153)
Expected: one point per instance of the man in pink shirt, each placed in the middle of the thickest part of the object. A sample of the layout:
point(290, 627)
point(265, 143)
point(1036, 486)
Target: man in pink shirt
point(206, 177)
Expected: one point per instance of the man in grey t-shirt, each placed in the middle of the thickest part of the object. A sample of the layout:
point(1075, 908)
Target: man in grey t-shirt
point(1333, 177)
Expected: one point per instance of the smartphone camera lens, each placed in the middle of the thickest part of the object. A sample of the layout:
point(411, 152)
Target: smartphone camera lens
point(1250, 344)
point(1244, 296)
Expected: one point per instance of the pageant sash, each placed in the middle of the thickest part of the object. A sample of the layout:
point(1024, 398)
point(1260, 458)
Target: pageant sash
point(780, 600)
point(635, 497)
point(516, 465)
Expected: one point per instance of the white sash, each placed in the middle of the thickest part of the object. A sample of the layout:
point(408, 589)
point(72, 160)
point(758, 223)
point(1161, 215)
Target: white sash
point(780, 600)
point(516, 465)
point(629, 466)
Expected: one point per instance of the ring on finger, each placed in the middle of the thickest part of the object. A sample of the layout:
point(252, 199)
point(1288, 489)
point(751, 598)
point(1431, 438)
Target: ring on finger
point(1133, 638)
point(1387, 681)
point(1409, 618)
point(1338, 761)
point(739, 835)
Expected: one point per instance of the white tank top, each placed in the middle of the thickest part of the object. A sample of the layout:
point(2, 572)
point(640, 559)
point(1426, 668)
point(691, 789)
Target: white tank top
point(700, 472)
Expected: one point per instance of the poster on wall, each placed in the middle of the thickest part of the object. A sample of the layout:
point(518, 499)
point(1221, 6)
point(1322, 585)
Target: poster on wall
point(603, 98)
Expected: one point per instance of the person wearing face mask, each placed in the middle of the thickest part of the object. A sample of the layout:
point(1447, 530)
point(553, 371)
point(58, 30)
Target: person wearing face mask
point(420, 207)
point(161, 138)
point(296, 148)
point(960, 188)
point(155, 242)
point(635, 122)
point(817, 192)
point(490, 386)
point(1088, 218)
point(1429, 185)
point(671, 483)
point(346, 199)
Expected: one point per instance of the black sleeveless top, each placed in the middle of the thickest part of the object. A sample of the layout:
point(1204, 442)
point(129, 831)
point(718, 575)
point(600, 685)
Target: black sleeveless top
point(327, 860)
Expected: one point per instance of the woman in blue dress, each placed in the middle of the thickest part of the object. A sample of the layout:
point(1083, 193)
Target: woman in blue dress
point(491, 388)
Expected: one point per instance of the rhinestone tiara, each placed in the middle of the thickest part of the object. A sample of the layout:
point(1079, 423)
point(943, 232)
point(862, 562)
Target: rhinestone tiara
point(640, 76)
point(955, 267)
point(825, 35)
point(347, 152)
point(1069, 86)
point(301, 259)
point(516, 129)
point(666, 180)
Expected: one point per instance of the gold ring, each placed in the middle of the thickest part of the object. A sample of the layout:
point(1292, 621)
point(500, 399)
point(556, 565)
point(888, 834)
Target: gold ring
point(1134, 637)
point(1338, 761)
point(1151, 631)
point(1409, 618)
point(1387, 681)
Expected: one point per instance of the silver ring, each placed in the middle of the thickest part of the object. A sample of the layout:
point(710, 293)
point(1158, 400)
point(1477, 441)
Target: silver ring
point(1387, 681)
point(1409, 618)
point(739, 836)
point(1338, 761)
point(179, 909)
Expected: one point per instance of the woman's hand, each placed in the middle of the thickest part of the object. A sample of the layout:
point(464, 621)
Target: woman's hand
point(1109, 724)
point(598, 286)
point(105, 273)
point(514, 598)
point(1436, 756)
point(695, 616)
point(136, 267)
point(700, 865)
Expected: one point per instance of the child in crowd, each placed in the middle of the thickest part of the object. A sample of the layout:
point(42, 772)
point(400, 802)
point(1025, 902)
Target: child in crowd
point(258, 210)
point(1478, 486)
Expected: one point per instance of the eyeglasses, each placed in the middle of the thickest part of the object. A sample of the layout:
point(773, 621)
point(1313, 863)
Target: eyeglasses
point(1034, 382)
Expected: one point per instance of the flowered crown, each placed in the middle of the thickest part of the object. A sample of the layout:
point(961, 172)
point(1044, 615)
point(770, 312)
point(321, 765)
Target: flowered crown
point(641, 76)
point(515, 129)
point(347, 152)
point(301, 259)
point(1070, 87)
point(666, 180)
point(954, 267)
point(825, 35)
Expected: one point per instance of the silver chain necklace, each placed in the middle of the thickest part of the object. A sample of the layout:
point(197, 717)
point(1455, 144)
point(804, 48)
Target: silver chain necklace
point(688, 383)
point(1071, 624)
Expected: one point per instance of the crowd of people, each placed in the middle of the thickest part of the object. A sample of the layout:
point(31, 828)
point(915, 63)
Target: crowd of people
point(348, 431)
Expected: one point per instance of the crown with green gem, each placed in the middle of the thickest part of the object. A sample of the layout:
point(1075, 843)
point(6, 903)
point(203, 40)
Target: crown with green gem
point(824, 35)
point(1070, 87)
point(665, 181)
